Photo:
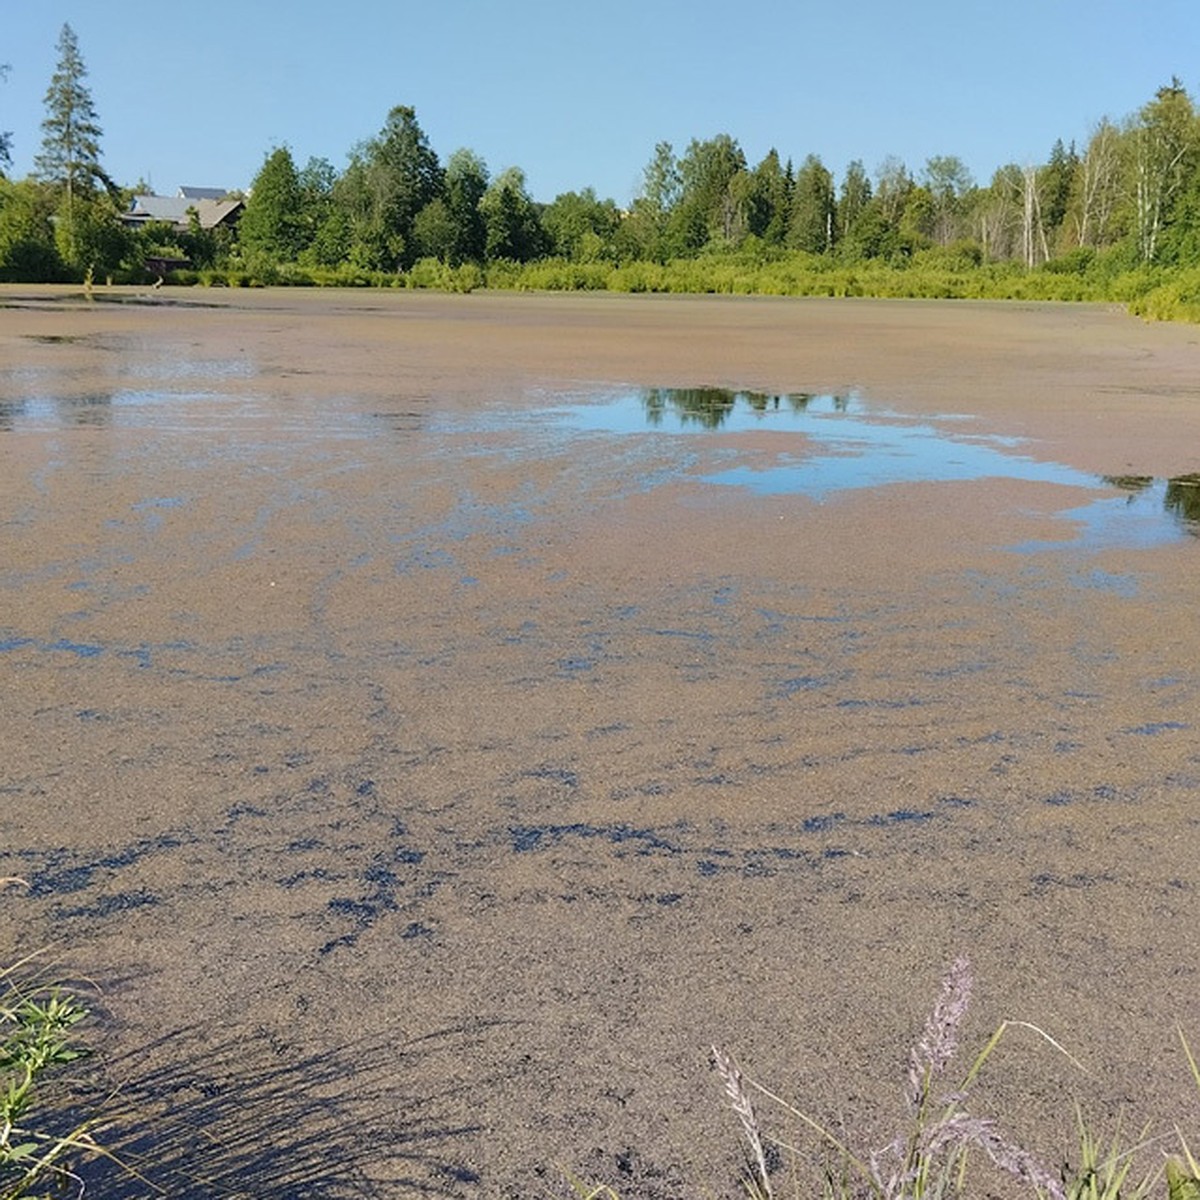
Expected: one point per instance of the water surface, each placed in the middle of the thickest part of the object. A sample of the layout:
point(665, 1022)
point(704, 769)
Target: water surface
point(840, 443)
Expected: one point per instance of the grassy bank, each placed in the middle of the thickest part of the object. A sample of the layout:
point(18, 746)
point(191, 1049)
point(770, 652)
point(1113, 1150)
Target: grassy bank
point(1155, 293)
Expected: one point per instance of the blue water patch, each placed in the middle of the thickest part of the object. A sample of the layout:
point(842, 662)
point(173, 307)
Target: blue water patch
point(857, 454)
point(42, 411)
point(847, 446)
point(1142, 519)
point(82, 649)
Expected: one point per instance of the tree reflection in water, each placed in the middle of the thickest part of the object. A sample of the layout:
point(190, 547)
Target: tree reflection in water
point(1183, 500)
point(711, 407)
point(1181, 496)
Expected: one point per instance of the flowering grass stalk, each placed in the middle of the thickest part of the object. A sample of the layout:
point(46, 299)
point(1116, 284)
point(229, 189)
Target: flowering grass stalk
point(928, 1160)
point(759, 1186)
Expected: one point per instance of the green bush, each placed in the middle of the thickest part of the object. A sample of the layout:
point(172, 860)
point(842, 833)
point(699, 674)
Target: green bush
point(1176, 300)
point(1073, 262)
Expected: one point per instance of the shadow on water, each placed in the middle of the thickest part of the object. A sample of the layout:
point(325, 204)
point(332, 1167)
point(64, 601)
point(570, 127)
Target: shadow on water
point(249, 1116)
point(845, 446)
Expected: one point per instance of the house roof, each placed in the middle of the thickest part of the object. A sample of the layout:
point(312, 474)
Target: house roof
point(203, 193)
point(174, 209)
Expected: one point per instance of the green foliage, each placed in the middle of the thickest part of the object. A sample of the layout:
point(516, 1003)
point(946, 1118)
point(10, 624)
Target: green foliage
point(273, 225)
point(1182, 1183)
point(814, 208)
point(770, 202)
point(643, 234)
point(853, 203)
point(919, 220)
point(1056, 181)
point(316, 181)
point(1165, 144)
point(37, 1035)
point(513, 229)
point(466, 185)
point(1073, 262)
point(90, 237)
point(435, 231)
point(1101, 225)
point(712, 207)
point(581, 227)
point(391, 178)
point(1177, 298)
point(332, 241)
point(27, 250)
point(440, 275)
point(946, 182)
point(1106, 1172)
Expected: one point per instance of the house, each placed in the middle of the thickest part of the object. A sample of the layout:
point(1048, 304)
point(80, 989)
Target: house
point(211, 211)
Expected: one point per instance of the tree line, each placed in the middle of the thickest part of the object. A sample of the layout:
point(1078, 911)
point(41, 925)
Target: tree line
point(1126, 200)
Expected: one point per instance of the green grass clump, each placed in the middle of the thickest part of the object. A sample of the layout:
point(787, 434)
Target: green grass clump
point(41, 1140)
point(37, 1035)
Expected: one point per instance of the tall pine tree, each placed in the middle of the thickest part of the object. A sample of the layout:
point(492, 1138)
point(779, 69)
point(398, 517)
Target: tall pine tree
point(70, 157)
point(71, 133)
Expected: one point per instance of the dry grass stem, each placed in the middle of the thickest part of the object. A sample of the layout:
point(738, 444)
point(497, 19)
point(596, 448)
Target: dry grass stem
point(929, 1058)
point(928, 1159)
point(739, 1099)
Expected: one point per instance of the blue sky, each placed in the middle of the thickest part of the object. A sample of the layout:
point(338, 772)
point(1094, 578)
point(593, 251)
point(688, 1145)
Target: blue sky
point(578, 94)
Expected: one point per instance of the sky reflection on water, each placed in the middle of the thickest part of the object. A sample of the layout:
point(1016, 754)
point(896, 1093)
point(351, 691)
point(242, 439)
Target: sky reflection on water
point(848, 446)
point(844, 444)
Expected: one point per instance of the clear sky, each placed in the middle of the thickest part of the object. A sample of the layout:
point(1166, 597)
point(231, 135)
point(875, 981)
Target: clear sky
point(577, 94)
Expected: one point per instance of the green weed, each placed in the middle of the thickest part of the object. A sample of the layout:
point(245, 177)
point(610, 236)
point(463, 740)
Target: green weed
point(37, 1035)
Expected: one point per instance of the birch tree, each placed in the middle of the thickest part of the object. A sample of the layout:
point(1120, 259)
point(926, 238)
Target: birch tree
point(1033, 232)
point(892, 186)
point(1099, 184)
point(947, 180)
point(999, 213)
point(1164, 138)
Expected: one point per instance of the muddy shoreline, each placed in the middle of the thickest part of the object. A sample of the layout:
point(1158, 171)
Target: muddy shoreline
point(427, 790)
